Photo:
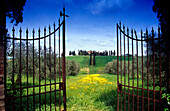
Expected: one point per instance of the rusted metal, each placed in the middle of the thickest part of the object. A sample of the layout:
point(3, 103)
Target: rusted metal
point(20, 69)
point(13, 34)
point(55, 65)
point(153, 69)
point(142, 72)
point(141, 97)
point(137, 74)
point(117, 67)
point(128, 71)
point(45, 63)
point(160, 80)
point(59, 69)
point(27, 68)
point(132, 72)
point(120, 69)
point(124, 70)
point(39, 60)
point(63, 62)
point(147, 67)
point(33, 73)
point(39, 49)
point(50, 62)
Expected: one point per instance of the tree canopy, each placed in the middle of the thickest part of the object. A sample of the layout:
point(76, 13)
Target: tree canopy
point(12, 9)
point(161, 8)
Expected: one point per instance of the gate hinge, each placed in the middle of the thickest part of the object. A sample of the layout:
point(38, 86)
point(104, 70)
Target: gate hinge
point(61, 85)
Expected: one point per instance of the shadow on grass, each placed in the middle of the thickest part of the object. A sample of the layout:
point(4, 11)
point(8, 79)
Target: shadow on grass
point(10, 104)
point(110, 99)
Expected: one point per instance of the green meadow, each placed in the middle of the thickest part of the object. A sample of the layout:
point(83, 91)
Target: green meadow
point(90, 90)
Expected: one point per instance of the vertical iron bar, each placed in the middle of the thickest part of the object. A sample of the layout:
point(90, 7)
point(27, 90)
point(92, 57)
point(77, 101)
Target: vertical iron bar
point(142, 71)
point(117, 68)
point(27, 70)
point(153, 69)
point(128, 71)
point(120, 68)
point(39, 70)
point(147, 67)
point(63, 64)
point(20, 68)
point(45, 63)
point(5, 72)
point(50, 62)
point(137, 73)
point(124, 71)
point(13, 78)
point(132, 73)
point(59, 68)
point(160, 80)
point(55, 65)
point(33, 74)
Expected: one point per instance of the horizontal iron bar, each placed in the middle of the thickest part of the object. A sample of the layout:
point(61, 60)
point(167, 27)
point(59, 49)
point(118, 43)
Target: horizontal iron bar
point(32, 86)
point(36, 38)
point(31, 95)
point(140, 88)
point(142, 97)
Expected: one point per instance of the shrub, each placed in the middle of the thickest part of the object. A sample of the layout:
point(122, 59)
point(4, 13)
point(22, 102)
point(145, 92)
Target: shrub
point(111, 67)
point(72, 68)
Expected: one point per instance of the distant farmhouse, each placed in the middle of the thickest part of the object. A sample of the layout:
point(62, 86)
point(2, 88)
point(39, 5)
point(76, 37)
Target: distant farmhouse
point(97, 53)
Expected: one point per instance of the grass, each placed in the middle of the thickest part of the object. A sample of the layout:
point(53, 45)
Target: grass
point(85, 92)
point(101, 61)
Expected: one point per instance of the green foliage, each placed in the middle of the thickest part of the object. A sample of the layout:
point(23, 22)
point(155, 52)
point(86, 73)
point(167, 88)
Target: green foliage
point(72, 68)
point(84, 61)
point(166, 101)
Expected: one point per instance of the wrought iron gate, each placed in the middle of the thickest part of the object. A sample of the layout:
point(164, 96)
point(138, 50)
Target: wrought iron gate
point(35, 74)
point(139, 70)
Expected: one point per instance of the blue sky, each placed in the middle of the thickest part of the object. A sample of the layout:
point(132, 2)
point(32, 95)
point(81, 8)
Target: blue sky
point(92, 23)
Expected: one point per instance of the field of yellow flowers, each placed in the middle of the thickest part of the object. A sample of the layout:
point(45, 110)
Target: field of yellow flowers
point(92, 92)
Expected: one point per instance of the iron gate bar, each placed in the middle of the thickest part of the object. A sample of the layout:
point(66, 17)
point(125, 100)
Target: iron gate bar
point(13, 34)
point(39, 71)
point(45, 63)
point(117, 67)
point(50, 62)
point(33, 74)
point(124, 71)
point(32, 86)
point(27, 69)
point(147, 67)
point(121, 67)
point(55, 66)
point(20, 66)
point(137, 73)
point(63, 64)
point(159, 37)
point(128, 70)
point(142, 72)
point(132, 72)
point(153, 69)
point(59, 69)
point(143, 97)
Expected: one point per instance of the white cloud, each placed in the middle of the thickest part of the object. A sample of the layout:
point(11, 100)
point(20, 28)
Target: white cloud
point(99, 6)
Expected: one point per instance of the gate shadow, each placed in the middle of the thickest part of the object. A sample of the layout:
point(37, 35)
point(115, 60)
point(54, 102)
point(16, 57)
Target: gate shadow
point(110, 100)
point(15, 103)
